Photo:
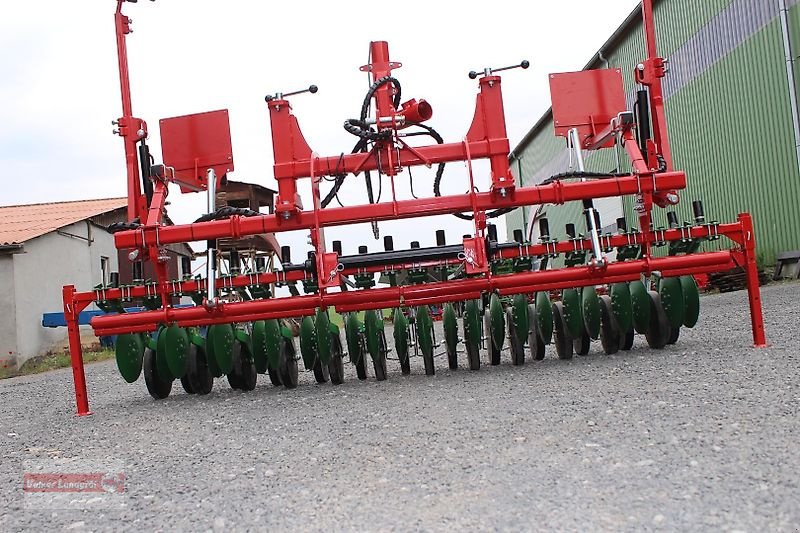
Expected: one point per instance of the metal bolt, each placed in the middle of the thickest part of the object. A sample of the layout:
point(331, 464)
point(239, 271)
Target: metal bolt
point(640, 66)
point(503, 192)
point(286, 215)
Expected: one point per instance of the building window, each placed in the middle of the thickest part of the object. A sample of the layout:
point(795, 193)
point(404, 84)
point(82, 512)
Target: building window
point(104, 270)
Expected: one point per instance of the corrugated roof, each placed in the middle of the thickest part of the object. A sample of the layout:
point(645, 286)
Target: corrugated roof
point(20, 223)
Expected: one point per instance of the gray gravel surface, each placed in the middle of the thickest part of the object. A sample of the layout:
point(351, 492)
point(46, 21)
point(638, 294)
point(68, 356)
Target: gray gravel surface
point(700, 436)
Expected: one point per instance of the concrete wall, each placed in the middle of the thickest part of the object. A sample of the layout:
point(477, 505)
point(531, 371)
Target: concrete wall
point(48, 263)
point(8, 318)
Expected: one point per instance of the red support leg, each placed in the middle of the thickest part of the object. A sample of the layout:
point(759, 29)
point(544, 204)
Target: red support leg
point(753, 289)
point(71, 313)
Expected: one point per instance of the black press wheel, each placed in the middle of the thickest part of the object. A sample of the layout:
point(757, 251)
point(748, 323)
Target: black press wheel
point(249, 372)
point(336, 364)
point(517, 345)
point(186, 384)
point(158, 387)
point(659, 329)
point(321, 371)
point(379, 362)
point(582, 344)
point(610, 338)
point(494, 352)
point(535, 342)
point(627, 340)
point(288, 364)
point(197, 370)
point(560, 333)
point(361, 364)
point(674, 333)
point(274, 376)
point(235, 375)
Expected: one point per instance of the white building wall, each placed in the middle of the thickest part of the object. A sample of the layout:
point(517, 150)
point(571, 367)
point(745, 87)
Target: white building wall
point(48, 263)
point(8, 318)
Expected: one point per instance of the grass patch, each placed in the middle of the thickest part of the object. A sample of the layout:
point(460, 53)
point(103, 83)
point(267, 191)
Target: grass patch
point(45, 363)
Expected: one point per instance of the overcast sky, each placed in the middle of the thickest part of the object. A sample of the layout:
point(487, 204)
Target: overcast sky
point(59, 86)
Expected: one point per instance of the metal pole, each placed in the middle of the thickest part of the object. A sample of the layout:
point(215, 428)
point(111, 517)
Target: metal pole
point(790, 74)
point(591, 218)
point(211, 260)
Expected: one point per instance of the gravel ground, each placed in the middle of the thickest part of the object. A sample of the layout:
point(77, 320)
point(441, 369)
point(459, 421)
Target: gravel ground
point(699, 436)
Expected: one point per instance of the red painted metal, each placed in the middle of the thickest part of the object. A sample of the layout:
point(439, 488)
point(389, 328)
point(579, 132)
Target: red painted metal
point(72, 310)
point(554, 193)
point(586, 100)
point(191, 144)
point(649, 73)
point(131, 129)
point(753, 292)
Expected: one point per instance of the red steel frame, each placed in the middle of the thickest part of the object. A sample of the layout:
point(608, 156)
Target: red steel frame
point(485, 139)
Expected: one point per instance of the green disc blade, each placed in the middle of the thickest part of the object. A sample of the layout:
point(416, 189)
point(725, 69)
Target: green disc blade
point(519, 316)
point(259, 339)
point(590, 310)
point(450, 325)
point(671, 293)
point(497, 321)
point(177, 346)
point(544, 315)
point(691, 301)
point(323, 328)
point(222, 339)
point(621, 305)
point(573, 317)
point(640, 303)
point(373, 328)
point(308, 341)
point(129, 354)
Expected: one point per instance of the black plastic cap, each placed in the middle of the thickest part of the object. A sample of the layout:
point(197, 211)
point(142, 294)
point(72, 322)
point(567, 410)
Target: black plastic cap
point(697, 209)
point(414, 244)
point(362, 249)
point(570, 229)
point(491, 230)
point(672, 219)
point(440, 238)
point(519, 236)
point(337, 247)
point(138, 270)
point(544, 228)
point(234, 259)
point(186, 265)
point(286, 255)
point(388, 243)
point(113, 279)
point(622, 224)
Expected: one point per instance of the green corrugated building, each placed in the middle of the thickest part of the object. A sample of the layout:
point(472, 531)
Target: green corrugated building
point(731, 103)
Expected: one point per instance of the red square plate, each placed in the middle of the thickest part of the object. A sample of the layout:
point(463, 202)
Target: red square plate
point(586, 100)
point(192, 144)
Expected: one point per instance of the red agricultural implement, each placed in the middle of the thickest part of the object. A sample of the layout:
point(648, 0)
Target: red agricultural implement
point(611, 286)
